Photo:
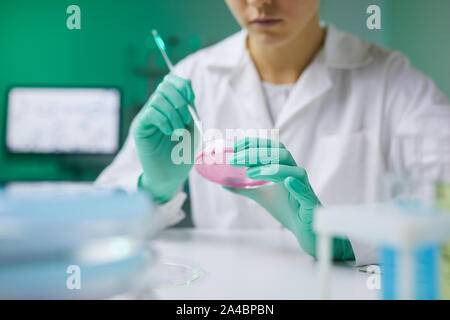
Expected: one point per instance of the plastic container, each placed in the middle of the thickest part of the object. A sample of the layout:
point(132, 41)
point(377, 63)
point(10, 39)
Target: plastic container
point(426, 279)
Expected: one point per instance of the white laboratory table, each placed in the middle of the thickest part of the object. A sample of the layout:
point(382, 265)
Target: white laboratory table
point(248, 264)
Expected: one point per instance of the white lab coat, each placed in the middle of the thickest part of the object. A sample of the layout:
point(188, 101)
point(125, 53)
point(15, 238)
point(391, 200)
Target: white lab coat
point(338, 123)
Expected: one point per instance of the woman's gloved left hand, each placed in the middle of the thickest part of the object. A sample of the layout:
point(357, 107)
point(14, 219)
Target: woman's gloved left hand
point(290, 200)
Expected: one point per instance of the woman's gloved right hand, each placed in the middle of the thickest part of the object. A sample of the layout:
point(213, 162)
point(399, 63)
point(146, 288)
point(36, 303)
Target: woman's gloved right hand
point(166, 111)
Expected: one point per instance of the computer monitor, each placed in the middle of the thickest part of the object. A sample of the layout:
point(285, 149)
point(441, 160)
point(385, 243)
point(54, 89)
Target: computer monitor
point(69, 120)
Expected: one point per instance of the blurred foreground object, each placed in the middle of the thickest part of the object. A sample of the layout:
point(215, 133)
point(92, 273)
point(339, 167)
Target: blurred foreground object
point(410, 229)
point(74, 244)
point(405, 240)
point(443, 203)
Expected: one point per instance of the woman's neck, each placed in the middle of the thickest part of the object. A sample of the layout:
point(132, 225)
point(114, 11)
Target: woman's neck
point(285, 63)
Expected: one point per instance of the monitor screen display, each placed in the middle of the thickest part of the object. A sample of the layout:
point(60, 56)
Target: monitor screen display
point(63, 120)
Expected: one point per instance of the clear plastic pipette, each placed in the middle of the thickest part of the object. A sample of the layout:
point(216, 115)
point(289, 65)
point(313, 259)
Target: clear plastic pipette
point(162, 48)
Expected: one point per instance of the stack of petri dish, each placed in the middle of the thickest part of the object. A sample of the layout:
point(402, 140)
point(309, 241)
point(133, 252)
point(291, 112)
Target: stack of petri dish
point(59, 244)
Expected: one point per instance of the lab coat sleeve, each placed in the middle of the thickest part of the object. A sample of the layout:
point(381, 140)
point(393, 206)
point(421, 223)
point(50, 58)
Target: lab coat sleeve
point(124, 172)
point(420, 110)
point(417, 107)
point(414, 106)
point(365, 252)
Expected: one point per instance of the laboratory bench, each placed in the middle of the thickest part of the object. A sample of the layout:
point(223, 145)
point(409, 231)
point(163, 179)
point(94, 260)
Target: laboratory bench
point(249, 264)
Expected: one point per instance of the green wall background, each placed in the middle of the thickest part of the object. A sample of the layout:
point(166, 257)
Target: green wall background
point(110, 49)
point(421, 29)
point(113, 48)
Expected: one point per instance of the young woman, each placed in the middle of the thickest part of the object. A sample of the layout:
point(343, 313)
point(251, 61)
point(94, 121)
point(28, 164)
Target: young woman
point(338, 102)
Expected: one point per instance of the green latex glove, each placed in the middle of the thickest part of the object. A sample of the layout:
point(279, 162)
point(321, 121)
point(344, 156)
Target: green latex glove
point(165, 112)
point(290, 200)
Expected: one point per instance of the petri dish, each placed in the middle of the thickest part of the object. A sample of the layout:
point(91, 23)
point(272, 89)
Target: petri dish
point(212, 164)
point(172, 272)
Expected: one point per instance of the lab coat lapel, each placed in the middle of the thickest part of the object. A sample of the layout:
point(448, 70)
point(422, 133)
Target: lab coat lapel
point(314, 82)
point(340, 51)
point(245, 82)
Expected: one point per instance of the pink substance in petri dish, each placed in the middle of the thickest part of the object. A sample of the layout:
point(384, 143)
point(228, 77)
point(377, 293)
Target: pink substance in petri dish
point(214, 166)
